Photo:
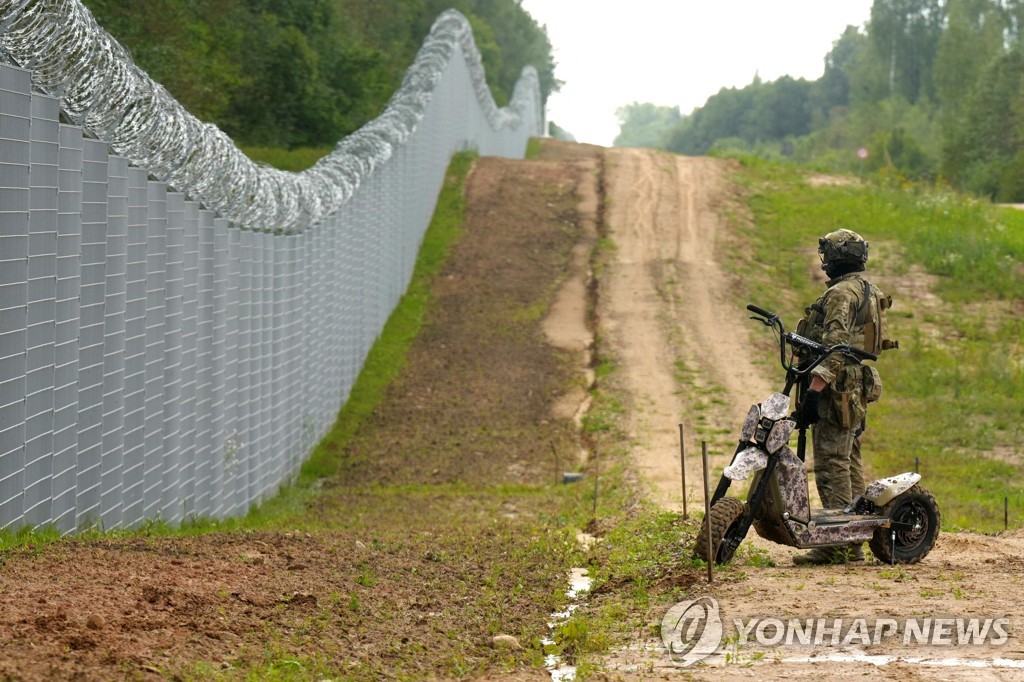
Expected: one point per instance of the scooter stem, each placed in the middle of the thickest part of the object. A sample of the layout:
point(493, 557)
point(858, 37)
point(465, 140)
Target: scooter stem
point(801, 442)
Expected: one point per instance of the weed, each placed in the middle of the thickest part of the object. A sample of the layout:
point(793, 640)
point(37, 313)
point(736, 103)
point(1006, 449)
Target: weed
point(897, 574)
point(755, 556)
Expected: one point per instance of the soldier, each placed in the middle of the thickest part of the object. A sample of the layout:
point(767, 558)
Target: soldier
point(851, 311)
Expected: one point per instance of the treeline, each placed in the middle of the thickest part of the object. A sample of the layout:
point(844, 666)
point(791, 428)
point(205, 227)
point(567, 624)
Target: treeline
point(933, 89)
point(305, 73)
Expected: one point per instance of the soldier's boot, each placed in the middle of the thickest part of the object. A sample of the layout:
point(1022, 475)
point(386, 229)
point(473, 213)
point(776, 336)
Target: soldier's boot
point(819, 556)
point(855, 552)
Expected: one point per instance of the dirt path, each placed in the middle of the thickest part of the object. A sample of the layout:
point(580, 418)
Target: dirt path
point(666, 313)
point(680, 337)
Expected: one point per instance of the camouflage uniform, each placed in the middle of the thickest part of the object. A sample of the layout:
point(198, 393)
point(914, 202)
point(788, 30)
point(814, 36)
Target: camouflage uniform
point(833, 319)
point(851, 311)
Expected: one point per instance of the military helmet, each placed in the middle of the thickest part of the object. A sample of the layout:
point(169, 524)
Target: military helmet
point(842, 246)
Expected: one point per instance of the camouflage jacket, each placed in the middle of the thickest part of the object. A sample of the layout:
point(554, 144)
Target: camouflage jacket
point(833, 319)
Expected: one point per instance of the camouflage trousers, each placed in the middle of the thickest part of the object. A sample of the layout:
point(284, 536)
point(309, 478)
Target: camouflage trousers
point(837, 464)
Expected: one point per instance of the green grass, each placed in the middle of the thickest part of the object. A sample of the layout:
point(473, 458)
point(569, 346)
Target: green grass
point(955, 389)
point(294, 160)
point(533, 148)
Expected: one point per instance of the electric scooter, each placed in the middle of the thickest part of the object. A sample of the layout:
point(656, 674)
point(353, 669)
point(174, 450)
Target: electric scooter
point(896, 516)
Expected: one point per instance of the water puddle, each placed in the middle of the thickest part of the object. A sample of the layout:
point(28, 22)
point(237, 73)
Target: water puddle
point(579, 584)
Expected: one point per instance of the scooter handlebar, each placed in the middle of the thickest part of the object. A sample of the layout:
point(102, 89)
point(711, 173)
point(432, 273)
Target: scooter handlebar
point(759, 310)
point(861, 353)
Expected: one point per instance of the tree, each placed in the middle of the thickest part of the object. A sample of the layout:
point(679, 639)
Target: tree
point(981, 145)
point(972, 39)
point(833, 88)
point(645, 125)
point(905, 34)
point(288, 73)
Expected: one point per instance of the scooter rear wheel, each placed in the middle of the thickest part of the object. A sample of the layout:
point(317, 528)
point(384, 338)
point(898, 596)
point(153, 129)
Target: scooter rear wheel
point(916, 507)
point(724, 514)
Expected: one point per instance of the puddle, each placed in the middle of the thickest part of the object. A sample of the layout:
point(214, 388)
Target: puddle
point(579, 583)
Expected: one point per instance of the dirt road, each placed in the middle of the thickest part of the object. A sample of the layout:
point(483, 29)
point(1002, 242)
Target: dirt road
point(669, 315)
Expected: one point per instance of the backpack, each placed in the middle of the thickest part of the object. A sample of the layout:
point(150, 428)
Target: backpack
point(873, 317)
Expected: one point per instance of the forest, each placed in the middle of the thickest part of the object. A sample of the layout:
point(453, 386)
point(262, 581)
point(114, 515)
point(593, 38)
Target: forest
point(304, 73)
point(932, 89)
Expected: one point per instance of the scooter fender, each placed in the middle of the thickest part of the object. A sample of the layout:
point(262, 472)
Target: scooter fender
point(885, 489)
point(745, 463)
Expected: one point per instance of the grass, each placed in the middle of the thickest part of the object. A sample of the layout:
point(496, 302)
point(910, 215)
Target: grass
point(954, 392)
point(533, 148)
point(293, 160)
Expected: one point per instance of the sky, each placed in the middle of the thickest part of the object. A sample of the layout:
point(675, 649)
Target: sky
point(678, 52)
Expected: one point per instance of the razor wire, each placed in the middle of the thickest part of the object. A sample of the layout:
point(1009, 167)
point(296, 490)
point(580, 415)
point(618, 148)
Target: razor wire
point(179, 325)
point(102, 90)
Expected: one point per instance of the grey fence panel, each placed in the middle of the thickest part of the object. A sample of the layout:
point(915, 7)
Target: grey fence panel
point(156, 279)
point(204, 391)
point(66, 343)
point(42, 313)
point(172, 348)
point(115, 276)
point(179, 326)
point(189, 339)
point(15, 296)
point(90, 350)
point(134, 427)
point(234, 500)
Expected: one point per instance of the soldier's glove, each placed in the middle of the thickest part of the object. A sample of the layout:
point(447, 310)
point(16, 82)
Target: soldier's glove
point(809, 408)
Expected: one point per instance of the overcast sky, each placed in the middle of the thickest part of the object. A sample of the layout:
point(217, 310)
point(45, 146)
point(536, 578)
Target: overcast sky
point(678, 52)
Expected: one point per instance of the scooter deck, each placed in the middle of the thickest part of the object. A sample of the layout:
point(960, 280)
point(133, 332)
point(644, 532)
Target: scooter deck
point(831, 517)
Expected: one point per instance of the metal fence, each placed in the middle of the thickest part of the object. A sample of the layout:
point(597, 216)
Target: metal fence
point(176, 337)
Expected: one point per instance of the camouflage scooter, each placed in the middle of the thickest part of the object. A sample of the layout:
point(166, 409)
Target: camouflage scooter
point(896, 516)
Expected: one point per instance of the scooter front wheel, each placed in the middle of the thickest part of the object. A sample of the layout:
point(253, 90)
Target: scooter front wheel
point(918, 515)
point(724, 515)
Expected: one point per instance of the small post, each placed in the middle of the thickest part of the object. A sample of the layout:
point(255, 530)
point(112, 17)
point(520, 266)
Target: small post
point(707, 510)
point(1006, 513)
point(597, 475)
point(917, 464)
point(893, 562)
point(682, 467)
point(558, 472)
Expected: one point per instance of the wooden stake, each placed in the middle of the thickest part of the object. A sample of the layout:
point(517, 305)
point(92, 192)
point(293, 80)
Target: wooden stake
point(707, 510)
point(558, 473)
point(597, 475)
point(682, 466)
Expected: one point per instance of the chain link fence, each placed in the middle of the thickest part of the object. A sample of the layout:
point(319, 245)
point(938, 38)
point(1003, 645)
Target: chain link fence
point(179, 326)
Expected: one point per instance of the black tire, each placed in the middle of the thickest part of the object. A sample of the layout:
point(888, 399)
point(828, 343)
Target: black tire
point(724, 514)
point(918, 507)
